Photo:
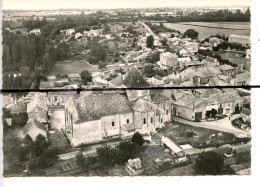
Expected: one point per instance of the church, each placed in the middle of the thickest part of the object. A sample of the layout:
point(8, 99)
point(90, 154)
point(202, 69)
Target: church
point(100, 116)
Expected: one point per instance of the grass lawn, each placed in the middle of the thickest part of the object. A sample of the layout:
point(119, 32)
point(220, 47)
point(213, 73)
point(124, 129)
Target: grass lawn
point(70, 67)
point(177, 131)
point(59, 141)
point(148, 156)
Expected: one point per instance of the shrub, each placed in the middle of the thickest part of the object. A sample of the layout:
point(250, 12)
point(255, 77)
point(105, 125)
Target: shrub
point(47, 159)
point(214, 113)
point(138, 138)
point(208, 114)
point(20, 120)
point(208, 163)
point(189, 133)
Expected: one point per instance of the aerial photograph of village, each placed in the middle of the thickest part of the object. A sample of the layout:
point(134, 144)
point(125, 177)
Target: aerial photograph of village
point(126, 88)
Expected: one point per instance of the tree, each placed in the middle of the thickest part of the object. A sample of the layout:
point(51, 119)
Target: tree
point(149, 71)
point(163, 41)
point(106, 29)
point(20, 120)
point(213, 113)
point(85, 77)
point(155, 57)
point(191, 33)
point(101, 65)
point(138, 139)
point(209, 163)
point(208, 114)
point(149, 41)
point(106, 155)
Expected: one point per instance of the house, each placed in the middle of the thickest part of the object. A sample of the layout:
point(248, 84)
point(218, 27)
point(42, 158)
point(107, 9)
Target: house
point(37, 109)
point(17, 108)
point(183, 60)
point(214, 41)
point(183, 52)
point(92, 33)
point(243, 79)
point(78, 35)
point(35, 31)
point(33, 128)
point(60, 98)
point(205, 92)
point(46, 85)
point(191, 47)
point(210, 61)
point(170, 79)
point(68, 32)
point(203, 76)
point(227, 70)
point(141, 31)
point(168, 60)
point(234, 38)
point(193, 107)
point(117, 82)
point(156, 80)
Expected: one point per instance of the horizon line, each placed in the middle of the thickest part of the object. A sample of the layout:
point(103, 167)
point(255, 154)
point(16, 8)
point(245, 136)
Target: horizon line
point(221, 7)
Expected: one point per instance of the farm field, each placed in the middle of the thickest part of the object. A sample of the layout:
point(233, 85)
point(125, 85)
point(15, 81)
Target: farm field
point(69, 67)
point(206, 29)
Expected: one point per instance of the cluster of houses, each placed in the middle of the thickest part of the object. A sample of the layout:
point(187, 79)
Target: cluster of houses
point(93, 116)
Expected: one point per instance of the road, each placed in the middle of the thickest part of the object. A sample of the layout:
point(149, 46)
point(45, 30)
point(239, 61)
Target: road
point(220, 125)
point(155, 36)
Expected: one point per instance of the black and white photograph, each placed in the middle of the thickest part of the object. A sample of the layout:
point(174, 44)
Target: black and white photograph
point(126, 88)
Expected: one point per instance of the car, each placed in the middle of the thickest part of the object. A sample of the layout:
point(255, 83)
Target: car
point(237, 122)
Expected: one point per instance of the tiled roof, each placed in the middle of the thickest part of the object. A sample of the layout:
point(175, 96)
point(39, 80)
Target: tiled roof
point(135, 79)
point(18, 108)
point(187, 84)
point(224, 97)
point(157, 98)
point(44, 85)
point(226, 67)
point(117, 81)
point(32, 123)
point(39, 115)
point(246, 111)
point(95, 106)
point(157, 77)
point(242, 77)
point(169, 55)
point(186, 100)
point(37, 101)
point(142, 105)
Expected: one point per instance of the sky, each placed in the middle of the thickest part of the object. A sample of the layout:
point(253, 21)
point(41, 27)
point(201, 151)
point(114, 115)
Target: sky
point(85, 4)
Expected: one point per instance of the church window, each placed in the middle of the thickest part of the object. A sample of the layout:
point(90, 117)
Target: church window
point(144, 121)
point(151, 119)
point(113, 123)
point(127, 121)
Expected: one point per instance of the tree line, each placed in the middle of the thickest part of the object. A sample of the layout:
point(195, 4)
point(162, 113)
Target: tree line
point(26, 57)
point(212, 16)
